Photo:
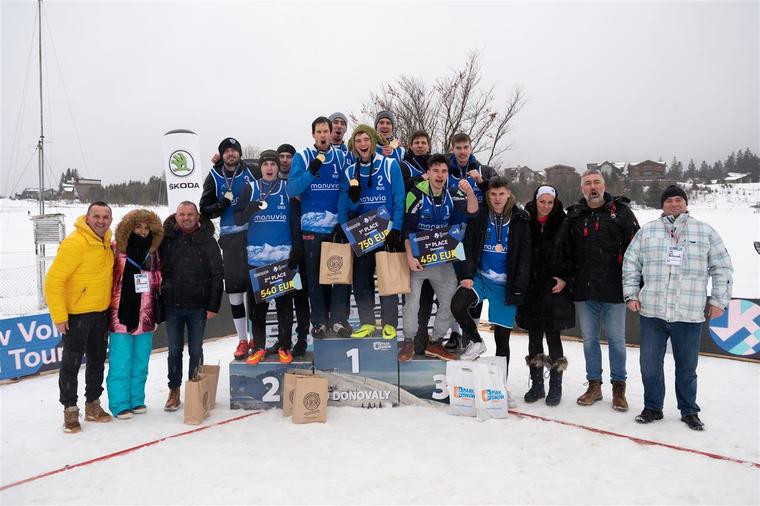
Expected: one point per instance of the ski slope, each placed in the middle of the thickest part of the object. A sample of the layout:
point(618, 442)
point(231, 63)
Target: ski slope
point(396, 455)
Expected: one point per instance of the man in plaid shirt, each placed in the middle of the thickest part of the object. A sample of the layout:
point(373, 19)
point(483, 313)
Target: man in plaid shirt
point(665, 273)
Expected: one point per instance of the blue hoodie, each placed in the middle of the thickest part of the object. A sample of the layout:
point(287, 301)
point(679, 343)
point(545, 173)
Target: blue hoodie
point(386, 189)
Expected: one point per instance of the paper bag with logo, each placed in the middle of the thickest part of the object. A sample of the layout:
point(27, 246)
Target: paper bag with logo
point(288, 388)
point(393, 275)
point(211, 372)
point(460, 381)
point(336, 264)
point(196, 400)
point(310, 399)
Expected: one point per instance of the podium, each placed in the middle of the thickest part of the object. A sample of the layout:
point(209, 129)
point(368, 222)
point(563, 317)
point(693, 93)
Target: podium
point(423, 379)
point(360, 372)
point(260, 386)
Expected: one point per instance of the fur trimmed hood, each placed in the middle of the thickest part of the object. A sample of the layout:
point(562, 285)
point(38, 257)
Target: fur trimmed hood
point(127, 225)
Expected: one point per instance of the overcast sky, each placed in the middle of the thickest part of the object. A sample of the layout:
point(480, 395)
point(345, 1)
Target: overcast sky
point(604, 80)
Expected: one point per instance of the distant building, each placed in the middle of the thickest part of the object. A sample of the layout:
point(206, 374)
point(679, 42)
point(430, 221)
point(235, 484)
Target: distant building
point(646, 171)
point(608, 168)
point(34, 194)
point(557, 173)
point(87, 189)
point(525, 174)
point(736, 177)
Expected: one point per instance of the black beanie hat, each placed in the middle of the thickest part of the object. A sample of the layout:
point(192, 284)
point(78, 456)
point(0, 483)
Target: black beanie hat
point(673, 191)
point(269, 155)
point(286, 148)
point(229, 142)
point(385, 115)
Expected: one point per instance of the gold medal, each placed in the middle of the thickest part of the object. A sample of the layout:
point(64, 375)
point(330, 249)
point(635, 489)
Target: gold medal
point(394, 144)
point(321, 157)
point(499, 248)
point(228, 196)
point(263, 204)
point(354, 182)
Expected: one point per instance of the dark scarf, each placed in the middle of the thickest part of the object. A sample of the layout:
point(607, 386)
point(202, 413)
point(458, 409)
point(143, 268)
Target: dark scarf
point(129, 305)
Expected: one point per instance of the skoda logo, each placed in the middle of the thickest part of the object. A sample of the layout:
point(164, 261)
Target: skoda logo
point(181, 163)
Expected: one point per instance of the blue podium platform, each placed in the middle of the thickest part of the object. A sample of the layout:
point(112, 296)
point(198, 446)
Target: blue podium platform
point(360, 372)
point(423, 378)
point(260, 386)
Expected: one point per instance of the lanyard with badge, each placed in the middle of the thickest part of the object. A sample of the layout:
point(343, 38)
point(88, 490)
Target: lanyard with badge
point(675, 251)
point(142, 285)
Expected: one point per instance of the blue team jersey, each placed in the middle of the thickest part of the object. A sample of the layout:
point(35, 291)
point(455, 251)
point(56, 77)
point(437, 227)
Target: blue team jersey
point(386, 188)
point(269, 238)
point(397, 154)
point(493, 263)
point(454, 181)
point(234, 184)
point(319, 194)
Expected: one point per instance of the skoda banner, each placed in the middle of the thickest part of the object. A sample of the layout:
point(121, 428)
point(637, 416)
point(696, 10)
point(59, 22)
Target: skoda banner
point(183, 167)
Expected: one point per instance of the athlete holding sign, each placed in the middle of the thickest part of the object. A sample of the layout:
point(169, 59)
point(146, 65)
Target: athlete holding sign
point(431, 206)
point(273, 220)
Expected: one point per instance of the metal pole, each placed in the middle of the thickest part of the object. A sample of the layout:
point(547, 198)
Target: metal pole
point(40, 148)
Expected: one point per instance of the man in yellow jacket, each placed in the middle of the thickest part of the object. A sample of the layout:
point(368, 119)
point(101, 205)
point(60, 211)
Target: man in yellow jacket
point(78, 293)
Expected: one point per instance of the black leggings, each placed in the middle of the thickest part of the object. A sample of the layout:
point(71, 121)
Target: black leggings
point(536, 343)
point(284, 306)
point(463, 300)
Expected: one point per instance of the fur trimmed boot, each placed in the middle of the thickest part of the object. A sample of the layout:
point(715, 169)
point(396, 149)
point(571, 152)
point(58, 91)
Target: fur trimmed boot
point(536, 365)
point(556, 368)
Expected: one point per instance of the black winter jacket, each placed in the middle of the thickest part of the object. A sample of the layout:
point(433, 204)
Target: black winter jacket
point(518, 252)
point(544, 310)
point(191, 267)
point(209, 206)
point(593, 243)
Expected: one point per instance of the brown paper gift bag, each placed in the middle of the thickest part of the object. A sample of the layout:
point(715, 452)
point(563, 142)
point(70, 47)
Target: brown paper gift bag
point(336, 264)
point(310, 399)
point(196, 400)
point(393, 274)
point(211, 372)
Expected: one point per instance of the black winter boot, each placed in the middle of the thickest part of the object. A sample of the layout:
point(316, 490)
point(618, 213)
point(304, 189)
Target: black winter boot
point(555, 380)
point(536, 365)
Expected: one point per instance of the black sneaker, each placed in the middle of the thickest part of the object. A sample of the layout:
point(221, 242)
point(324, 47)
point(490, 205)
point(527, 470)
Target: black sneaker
point(299, 350)
point(648, 416)
point(693, 422)
point(342, 329)
point(453, 342)
point(319, 332)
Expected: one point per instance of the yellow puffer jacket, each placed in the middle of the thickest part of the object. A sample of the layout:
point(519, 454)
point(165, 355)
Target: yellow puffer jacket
point(79, 281)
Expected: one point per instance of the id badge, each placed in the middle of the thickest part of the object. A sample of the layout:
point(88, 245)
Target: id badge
point(141, 283)
point(675, 255)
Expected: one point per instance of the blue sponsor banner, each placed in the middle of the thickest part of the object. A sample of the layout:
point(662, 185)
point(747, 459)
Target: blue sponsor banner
point(28, 345)
point(367, 232)
point(438, 246)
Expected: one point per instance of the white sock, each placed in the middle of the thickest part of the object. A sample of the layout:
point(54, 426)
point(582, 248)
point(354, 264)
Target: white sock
point(240, 327)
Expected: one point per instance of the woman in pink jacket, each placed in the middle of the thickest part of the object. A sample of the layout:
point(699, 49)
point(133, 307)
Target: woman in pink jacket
point(136, 279)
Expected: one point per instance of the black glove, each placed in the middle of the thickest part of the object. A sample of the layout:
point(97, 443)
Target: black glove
point(338, 234)
point(314, 166)
point(354, 192)
point(296, 255)
point(393, 241)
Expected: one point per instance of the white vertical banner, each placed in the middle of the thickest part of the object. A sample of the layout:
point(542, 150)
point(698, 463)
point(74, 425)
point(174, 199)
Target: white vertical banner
point(182, 165)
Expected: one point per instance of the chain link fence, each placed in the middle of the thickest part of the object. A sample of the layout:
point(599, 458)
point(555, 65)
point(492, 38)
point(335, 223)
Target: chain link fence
point(21, 288)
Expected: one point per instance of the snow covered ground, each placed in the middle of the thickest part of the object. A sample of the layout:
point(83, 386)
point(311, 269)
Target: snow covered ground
point(397, 455)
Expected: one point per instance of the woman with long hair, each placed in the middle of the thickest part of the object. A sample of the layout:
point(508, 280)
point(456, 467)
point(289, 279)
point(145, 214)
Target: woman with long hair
point(136, 279)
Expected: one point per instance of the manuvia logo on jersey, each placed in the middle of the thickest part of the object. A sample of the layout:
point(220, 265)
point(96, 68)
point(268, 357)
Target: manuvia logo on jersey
point(181, 163)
